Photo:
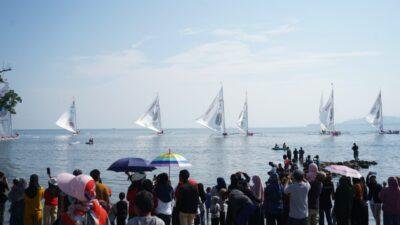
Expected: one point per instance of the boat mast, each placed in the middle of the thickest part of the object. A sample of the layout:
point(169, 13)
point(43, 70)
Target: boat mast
point(333, 109)
point(380, 110)
point(75, 124)
point(223, 109)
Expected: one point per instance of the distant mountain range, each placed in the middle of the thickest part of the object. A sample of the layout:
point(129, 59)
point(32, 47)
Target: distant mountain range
point(387, 120)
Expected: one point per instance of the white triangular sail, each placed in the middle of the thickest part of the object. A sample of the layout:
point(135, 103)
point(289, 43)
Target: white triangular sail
point(151, 119)
point(67, 120)
point(214, 117)
point(326, 114)
point(374, 116)
point(243, 121)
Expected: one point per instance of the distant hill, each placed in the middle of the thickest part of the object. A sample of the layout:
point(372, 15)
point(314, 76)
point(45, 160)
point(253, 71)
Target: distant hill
point(388, 120)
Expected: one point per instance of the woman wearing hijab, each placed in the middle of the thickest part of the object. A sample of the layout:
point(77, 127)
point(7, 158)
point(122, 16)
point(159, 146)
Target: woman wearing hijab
point(390, 197)
point(257, 187)
point(85, 209)
point(16, 197)
point(359, 213)
point(314, 193)
point(343, 201)
point(34, 194)
point(273, 200)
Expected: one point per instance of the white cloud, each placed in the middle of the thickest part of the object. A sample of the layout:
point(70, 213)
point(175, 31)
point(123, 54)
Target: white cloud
point(258, 35)
point(190, 31)
point(108, 64)
point(248, 34)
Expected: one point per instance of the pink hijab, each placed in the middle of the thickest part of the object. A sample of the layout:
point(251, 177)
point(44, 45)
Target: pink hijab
point(312, 172)
point(257, 188)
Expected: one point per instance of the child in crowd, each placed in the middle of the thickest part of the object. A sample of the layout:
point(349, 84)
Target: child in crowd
point(215, 210)
point(208, 202)
point(121, 209)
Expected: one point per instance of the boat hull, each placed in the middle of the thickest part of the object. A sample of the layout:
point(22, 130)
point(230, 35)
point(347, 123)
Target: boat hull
point(389, 132)
point(331, 133)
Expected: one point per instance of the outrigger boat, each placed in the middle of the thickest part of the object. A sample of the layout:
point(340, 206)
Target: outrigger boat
point(214, 117)
point(243, 121)
point(327, 116)
point(67, 120)
point(151, 119)
point(375, 116)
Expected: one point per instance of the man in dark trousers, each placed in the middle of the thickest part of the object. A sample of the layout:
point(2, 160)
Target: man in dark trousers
point(301, 154)
point(355, 151)
point(187, 198)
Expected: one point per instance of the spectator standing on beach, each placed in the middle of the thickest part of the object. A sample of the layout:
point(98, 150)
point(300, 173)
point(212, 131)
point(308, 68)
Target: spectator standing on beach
point(33, 210)
point(390, 197)
point(16, 197)
point(359, 212)
point(289, 154)
point(200, 218)
point(298, 190)
point(374, 188)
point(143, 207)
point(295, 155)
point(164, 195)
point(102, 192)
point(273, 200)
point(121, 209)
point(325, 200)
point(135, 187)
point(301, 154)
point(207, 203)
point(187, 198)
point(257, 188)
point(3, 197)
point(343, 201)
point(237, 202)
point(85, 208)
point(314, 177)
point(355, 151)
point(50, 202)
point(219, 190)
point(215, 210)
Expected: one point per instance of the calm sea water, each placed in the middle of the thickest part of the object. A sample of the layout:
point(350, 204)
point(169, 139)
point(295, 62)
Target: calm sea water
point(211, 156)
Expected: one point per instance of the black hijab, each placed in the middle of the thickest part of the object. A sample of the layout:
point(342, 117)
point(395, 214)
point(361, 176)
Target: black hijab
point(33, 186)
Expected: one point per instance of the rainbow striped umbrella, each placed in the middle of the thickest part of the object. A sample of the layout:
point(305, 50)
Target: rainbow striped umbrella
point(169, 159)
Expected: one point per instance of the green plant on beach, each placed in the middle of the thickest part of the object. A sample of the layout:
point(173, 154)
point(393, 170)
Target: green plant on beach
point(9, 100)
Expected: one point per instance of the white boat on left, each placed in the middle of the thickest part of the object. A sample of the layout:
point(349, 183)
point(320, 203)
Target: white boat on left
point(151, 119)
point(6, 128)
point(67, 120)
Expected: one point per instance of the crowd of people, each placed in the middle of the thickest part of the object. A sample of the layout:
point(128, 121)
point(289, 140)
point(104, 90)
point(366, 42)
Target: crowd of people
point(290, 196)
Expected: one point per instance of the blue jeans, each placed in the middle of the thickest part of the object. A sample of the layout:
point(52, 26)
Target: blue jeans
point(328, 214)
point(391, 219)
point(293, 221)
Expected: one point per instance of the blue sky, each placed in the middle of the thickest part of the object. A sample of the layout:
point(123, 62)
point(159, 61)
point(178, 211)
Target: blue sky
point(114, 56)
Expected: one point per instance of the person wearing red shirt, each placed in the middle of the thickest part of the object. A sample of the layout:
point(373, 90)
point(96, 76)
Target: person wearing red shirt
point(50, 203)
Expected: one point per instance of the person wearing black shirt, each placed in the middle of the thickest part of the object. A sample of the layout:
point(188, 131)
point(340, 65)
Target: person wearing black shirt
point(355, 151)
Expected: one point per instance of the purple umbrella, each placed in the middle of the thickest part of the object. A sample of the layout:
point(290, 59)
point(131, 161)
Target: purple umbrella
point(131, 165)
